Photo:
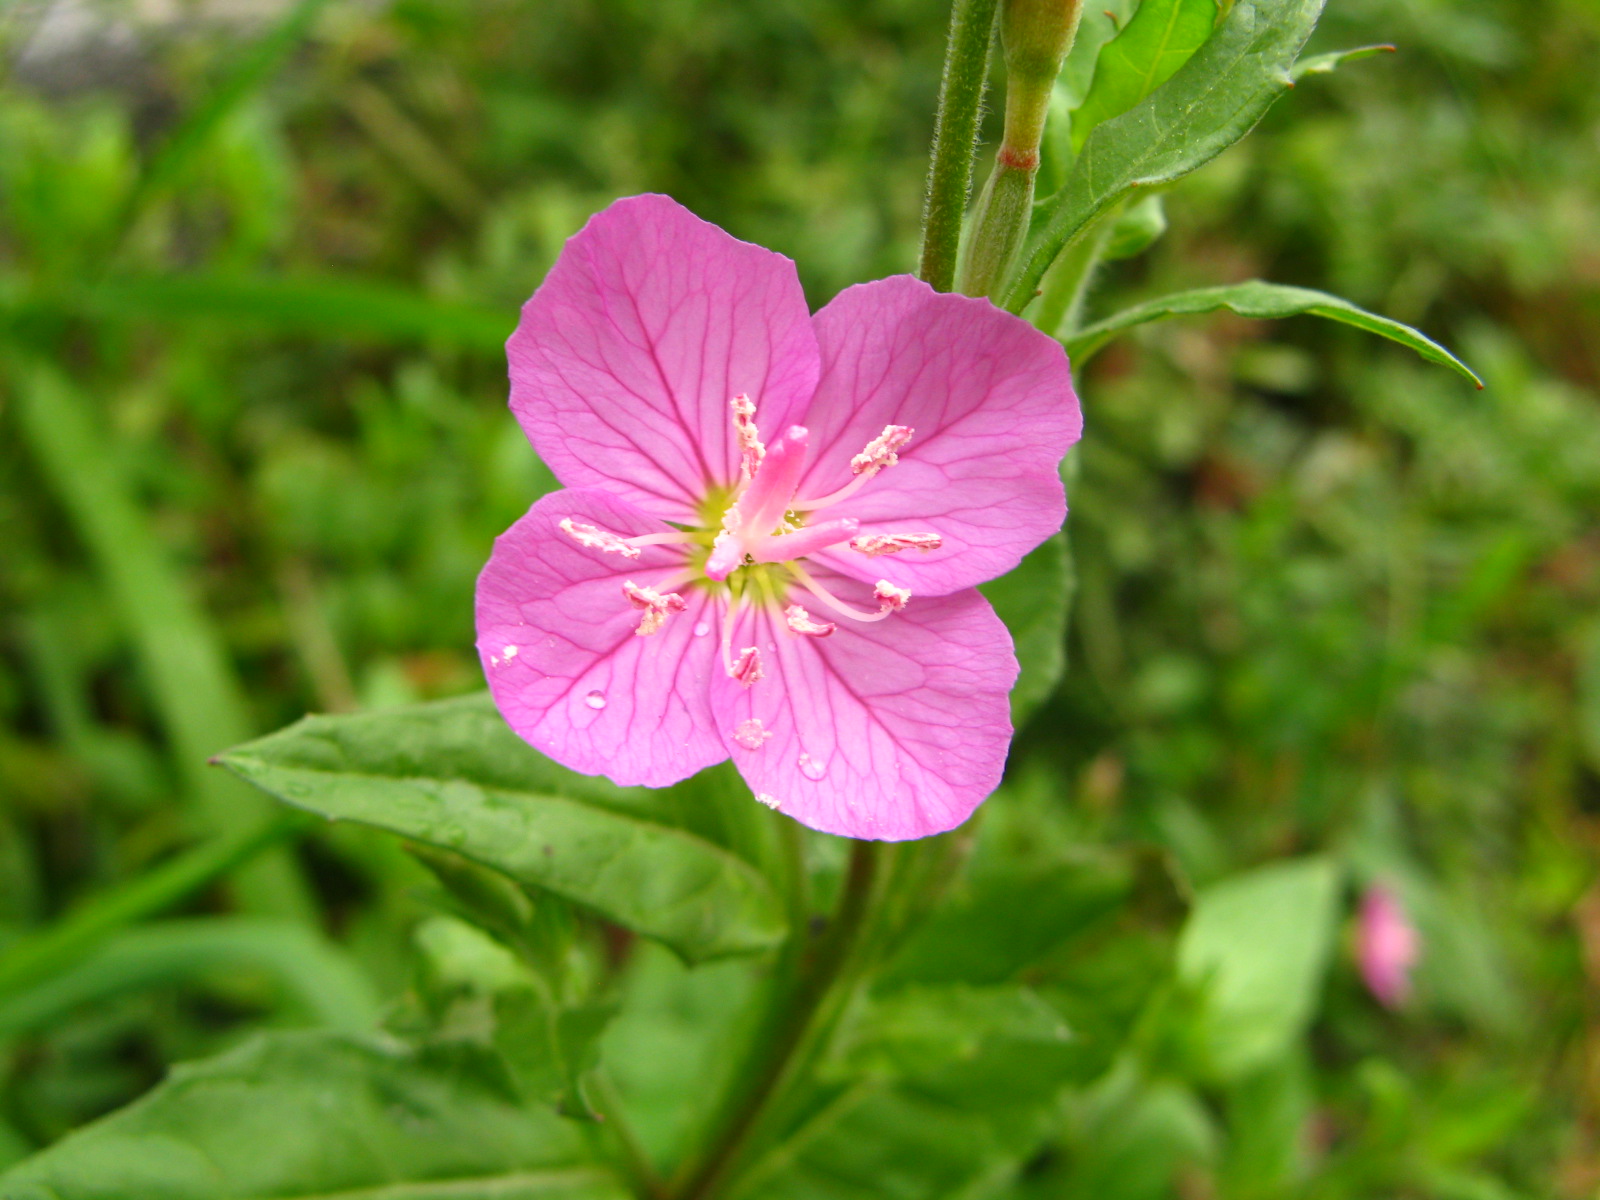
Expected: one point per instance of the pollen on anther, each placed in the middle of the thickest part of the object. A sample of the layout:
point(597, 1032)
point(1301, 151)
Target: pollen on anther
point(751, 451)
point(751, 734)
point(592, 538)
point(800, 621)
point(874, 544)
point(889, 597)
point(657, 606)
point(747, 667)
point(882, 451)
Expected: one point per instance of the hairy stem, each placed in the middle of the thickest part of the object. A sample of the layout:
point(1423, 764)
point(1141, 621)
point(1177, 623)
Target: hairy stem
point(955, 138)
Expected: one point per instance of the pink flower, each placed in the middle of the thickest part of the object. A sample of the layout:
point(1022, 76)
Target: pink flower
point(772, 525)
point(1386, 946)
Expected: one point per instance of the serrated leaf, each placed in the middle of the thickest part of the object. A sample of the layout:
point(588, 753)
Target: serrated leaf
point(1325, 64)
point(1211, 102)
point(311, 1116)
point(452, 774)
point(1160, 38)
point(1257, 945)
point(1034, 601)
point(1265, 301)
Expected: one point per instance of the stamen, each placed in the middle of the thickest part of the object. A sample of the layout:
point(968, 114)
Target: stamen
point(880, 451)
point(886, 603)
point(751, 734)
point(657, 606)
point(891, 598)
point(799, 621)
point(592, 538)
point(874, 544)
point(747, 667)
point(751, 451)
point(662, 539)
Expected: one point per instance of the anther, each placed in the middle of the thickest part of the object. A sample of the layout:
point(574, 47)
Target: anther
point(874, 544)
point(881, 450)
point(751, 451)
point(657, 606)
point(592, 538)
point(751, 734)
point(747, 667)
point(889, 597)
point(800, 621)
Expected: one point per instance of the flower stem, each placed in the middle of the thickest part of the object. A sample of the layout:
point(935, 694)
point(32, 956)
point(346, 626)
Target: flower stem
point(797, 1025)
point(955, 138)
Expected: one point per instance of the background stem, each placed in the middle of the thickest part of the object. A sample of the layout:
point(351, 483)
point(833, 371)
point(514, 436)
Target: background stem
point(955, 137)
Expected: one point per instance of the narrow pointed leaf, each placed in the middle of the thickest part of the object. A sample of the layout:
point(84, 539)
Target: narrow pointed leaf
point(1212, 101)
point(1324, 64)
point(452, 774)
point(1262, 300)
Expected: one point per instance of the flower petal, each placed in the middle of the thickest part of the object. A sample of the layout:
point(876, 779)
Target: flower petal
point(564, 663)
point(627, 358)
point(892, 730)
point(991, 402)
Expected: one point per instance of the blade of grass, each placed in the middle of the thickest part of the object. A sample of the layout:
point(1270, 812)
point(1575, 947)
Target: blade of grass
point(197, 697)
point(76, 934)
point(317, 974)
point(317, 305)
point(261, 59)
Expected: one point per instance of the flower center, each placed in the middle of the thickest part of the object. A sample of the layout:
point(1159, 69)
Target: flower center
point(766, 532)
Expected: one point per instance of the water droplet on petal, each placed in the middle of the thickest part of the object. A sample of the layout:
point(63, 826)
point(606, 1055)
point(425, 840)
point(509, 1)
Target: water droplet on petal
point(811, 768)
point(595, 699)
point(771, 802)
point(701, 628)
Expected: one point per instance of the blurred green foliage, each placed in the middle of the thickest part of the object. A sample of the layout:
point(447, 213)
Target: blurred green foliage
point(1332, 605)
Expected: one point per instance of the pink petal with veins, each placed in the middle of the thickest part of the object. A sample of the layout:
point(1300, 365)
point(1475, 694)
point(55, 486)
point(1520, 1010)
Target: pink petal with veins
point(991, 402)
point(556, 634)
point(628, 357)
point(892, 730)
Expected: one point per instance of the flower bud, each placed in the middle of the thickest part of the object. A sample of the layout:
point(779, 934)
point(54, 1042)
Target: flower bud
point(1035, 36)
point(1386, 946)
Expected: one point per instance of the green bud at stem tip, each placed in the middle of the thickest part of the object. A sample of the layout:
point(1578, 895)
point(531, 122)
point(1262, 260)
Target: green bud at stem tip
point(1035, 36)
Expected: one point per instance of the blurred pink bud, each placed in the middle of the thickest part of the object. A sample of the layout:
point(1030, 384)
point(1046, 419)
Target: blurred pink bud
point(1386, 946)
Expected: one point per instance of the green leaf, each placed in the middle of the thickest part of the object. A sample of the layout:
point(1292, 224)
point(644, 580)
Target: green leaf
point(314, 1116)
point(1212, 101)
point(990, 931)
point(1257, 945)
point(940, 1089)
point(1265, 301)
point(1324, 64)
point(1160, 38)
point(1136, 229)
point(321, 977)
point(1034, 601)
point(452, 774)
point(321, 306)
